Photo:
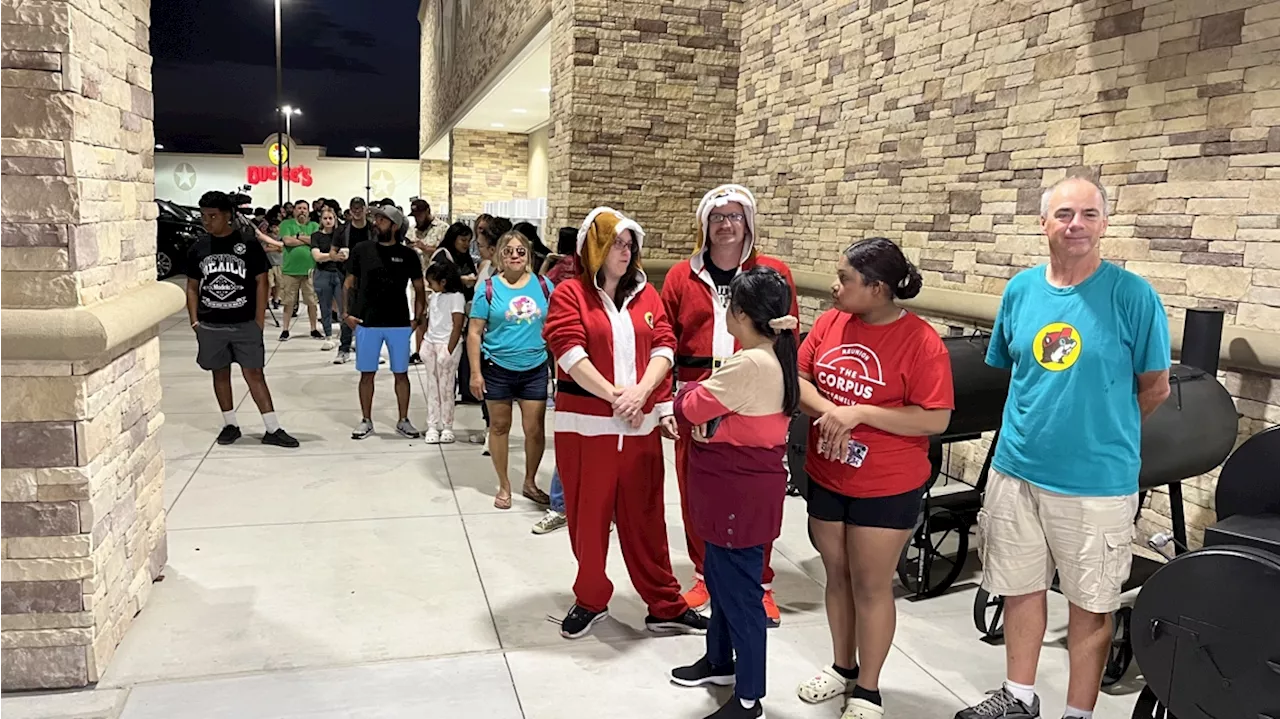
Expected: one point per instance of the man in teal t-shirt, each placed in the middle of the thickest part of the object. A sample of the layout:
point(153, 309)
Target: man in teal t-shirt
point(297, 265)
point(1088, 347)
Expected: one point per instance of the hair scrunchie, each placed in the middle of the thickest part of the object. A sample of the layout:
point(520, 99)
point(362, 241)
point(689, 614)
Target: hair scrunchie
point(786, 322)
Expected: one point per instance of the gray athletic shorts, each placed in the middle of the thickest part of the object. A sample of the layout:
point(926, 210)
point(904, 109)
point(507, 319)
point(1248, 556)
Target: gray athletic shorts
point(220, 345)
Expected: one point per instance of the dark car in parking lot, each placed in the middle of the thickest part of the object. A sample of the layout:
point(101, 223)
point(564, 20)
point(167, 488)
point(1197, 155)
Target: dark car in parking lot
point(177, 227)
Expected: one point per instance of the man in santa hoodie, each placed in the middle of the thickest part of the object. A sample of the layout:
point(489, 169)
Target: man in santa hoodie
point(695, 294)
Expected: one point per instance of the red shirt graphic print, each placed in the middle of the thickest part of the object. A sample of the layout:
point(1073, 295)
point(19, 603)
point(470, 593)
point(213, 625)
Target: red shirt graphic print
point(897, 364)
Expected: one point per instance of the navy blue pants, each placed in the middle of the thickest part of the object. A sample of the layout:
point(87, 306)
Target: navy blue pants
point(738, 624)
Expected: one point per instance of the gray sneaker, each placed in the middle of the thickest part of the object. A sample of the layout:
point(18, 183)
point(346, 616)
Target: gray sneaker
point(406, 429)
point(550, 522)
point(362, 430)
point(342, 358)
point(1000, 704)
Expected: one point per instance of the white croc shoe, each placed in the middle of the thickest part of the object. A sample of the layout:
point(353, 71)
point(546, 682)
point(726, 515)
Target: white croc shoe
point(826, 685)
point(862, 709)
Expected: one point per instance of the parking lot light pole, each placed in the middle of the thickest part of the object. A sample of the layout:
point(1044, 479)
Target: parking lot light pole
point(368, 182)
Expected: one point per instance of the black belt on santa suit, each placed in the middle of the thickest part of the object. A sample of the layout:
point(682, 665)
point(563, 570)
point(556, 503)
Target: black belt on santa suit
point(568, 386)
point(690, 362)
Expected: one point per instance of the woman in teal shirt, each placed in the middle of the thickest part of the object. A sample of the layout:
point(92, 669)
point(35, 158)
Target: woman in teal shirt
point(509, 360)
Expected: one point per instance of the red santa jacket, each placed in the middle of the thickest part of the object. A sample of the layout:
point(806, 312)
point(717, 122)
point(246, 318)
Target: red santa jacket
point(582, 323)
point(698, 317)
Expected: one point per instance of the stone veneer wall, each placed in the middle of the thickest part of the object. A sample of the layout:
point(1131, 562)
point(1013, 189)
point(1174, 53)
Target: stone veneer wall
point(433, 182)
point(483, 31)
point(82, 471)
point(643, 100)
point(937, 123)
point(487, 167)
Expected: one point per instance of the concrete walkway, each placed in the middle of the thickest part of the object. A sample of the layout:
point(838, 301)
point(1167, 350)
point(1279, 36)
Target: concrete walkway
point(375, 579)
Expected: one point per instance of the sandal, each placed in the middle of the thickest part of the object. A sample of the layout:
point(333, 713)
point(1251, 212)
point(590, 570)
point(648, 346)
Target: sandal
point(537, 496)
point(501, 502)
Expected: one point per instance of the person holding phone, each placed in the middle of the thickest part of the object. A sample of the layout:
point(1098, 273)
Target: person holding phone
point(738, 419)
point(878, 380)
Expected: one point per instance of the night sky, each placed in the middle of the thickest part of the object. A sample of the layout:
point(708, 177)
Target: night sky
point(351, 66)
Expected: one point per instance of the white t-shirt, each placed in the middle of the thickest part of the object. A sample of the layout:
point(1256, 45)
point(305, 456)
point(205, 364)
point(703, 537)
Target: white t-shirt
point(442, 307)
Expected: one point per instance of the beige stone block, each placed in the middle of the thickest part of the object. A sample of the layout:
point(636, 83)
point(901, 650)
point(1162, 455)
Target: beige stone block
point(1224, 283)
point(1265, 255)
point(1209, 227)
point(34, 259)
point(1230, 110)
point(1141, 47)
point(60, 620)
point(40, 198)
point(76, 545)
point(1198, 168)
point(51, 149)
point(1064, 132)
point(1263, 77)
point(1031, 112)
point(18, 485)
point(71, 637)
point(41, 570)
point(55, 475)
point(1264, 199)
point(1106, 152)
point(1259, 316)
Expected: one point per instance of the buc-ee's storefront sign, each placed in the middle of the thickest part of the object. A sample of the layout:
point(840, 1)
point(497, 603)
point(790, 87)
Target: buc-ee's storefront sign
point(265, 173)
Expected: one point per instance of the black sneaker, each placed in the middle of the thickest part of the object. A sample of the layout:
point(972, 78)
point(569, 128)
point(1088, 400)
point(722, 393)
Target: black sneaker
point(688, 623)
point(317, 335)
point(415, 358)
point(579, 621)
point(284, 336)
point(1000, 704)
point(733, 709)
point(229, 434)
point(701, 673)
point(279, 438)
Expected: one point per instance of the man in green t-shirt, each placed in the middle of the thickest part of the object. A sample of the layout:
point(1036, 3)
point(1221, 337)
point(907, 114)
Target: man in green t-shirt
point(296, 267)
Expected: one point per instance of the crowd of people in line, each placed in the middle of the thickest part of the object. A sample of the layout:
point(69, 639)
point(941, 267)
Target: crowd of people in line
point(716, 362)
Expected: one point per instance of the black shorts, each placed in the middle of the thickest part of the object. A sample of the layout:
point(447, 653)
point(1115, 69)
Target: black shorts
point(504, 385)
point(220, 345)
point(898, 511)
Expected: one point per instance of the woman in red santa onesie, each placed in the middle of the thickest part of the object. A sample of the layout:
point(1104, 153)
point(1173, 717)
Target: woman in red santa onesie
point(696, 297)
point(614, 347)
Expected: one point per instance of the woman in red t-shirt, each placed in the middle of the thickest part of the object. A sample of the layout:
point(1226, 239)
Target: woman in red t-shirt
point(878, 379)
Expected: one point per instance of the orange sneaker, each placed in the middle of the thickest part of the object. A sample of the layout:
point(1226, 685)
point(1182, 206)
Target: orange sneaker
point(771, 609)
point(697, 597)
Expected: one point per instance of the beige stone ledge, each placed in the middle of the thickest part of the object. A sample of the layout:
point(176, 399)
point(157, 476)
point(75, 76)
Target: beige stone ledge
point(1242, 347)
point(86, 332)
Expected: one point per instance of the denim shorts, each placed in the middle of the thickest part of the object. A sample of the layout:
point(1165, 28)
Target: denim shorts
point(503, 385)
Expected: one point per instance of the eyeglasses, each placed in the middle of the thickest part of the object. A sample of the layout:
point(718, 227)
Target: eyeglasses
point(518, 251)
point(718, 217)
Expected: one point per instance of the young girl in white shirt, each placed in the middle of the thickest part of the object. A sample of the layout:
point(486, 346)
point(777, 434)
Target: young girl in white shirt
point(442, 348)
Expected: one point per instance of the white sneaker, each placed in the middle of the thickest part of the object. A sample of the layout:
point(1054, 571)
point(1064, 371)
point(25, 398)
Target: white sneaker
point(474, 438)
point(431, 437)
point(862, 709)
point(342, 358)
point(329, 344)
point(446, 436)
point(550, 522)
point(826, 685)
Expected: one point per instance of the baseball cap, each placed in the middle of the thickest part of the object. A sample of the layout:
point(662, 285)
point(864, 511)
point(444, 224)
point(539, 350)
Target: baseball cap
point(390, 212)
point(419, 205)
point(357, 202)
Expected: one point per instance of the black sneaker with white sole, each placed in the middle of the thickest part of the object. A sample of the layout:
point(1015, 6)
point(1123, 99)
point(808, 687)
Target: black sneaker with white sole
point(229, 434)
point(579, 621)
point(280, 438)
point(733, 709)
point(688, 623)
point(702, 673)
point(1001, 704)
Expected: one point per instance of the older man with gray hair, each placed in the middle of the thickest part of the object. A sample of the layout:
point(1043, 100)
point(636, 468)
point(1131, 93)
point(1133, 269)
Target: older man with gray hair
point(1088, 346)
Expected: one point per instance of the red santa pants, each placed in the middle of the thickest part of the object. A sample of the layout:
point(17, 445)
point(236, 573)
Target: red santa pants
point(698, 547)
point(601, 483)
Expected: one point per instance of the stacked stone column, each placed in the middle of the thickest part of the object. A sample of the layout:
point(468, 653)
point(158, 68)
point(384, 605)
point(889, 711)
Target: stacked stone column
point(82, 469)
point(643, 109)
point(487, 167)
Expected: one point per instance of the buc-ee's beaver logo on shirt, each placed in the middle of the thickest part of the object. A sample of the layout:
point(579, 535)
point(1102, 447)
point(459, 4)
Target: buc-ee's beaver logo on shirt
point(1057, 346)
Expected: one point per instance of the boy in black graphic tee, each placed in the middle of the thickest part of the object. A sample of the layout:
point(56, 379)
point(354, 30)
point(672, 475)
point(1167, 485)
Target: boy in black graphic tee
point(227, 291)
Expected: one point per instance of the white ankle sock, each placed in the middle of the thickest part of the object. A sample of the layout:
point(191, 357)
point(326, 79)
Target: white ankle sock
point(1025, 693)
point(269, 420)
point(1073, 713)
point(229, 418)
point(747, 703)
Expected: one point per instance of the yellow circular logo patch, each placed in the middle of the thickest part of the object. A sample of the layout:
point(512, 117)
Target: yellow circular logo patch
point(648, 318)
point(277, 154)
point(1057, 346)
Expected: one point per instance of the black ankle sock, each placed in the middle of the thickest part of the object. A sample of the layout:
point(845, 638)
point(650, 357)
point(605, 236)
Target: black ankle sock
point(867, 695)
point(848, 674)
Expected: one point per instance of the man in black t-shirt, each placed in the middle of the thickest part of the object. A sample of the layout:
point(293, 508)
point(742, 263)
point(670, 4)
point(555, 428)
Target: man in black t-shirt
point(227, 303)
point(378, 273)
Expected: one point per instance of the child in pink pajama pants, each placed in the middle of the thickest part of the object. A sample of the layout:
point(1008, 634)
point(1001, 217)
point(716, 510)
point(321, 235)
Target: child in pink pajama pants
point(442, 348)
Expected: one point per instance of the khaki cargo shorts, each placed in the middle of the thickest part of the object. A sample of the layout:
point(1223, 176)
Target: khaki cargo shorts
point(291, 285)
point(1025, 533)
